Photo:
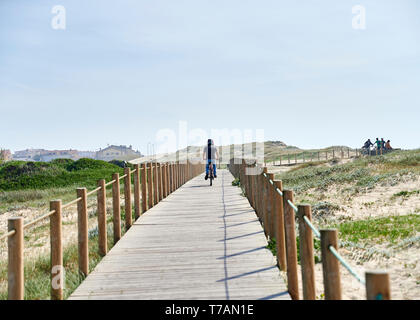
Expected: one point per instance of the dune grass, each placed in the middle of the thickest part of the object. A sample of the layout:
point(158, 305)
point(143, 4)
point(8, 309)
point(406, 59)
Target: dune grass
point(363, 172)
point(380, 230)
point(37, 271)
point(22, 175)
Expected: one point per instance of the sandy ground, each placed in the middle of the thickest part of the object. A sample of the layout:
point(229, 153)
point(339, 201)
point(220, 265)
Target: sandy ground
point(403, 262)
point(404, 269)
point(37, 241)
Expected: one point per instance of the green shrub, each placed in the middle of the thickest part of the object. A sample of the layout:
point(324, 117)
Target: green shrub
point(236, 182)
point(86, 163)
point(390, 229)
point(19, 175)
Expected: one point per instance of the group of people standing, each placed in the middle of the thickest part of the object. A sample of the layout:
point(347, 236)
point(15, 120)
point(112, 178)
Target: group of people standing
point(379, 144)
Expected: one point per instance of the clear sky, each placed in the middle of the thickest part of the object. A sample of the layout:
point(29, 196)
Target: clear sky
point(123, 70)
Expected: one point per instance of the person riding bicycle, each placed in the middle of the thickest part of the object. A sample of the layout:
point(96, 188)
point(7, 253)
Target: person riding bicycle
point(367, 144)
point(210, 154)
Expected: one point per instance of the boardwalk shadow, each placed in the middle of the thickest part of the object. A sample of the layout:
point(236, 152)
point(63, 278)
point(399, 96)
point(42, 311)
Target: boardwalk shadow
point(241, 253)
point(239, 224)
point(284, 293)
point(247, 273)
point(241, 236)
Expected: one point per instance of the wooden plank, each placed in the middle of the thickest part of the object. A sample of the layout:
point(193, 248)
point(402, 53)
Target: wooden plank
point(200, 242)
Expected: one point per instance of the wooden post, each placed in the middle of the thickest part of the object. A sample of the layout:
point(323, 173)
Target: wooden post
point(150, 185)
point(143, 175)
point(174, 176)
point(333, 154)
point(254, 186)
point(318, 156)
point(82, 227)
point(306, 251)
point(291, 250)
point(270, 205)
point(15, 270)
point(177, 175)
point(326, 155)
point(161, 172)
point(159, 179)
point(57, 269)
point(279, 222)
point(264, 201)
point(330, 265)
point(250, 188)
point(181, 170)
point(116, 207)
point(127, 199)
point(168, 177)
point(155, 184)
point(102, 230)
point(137, 192)
point(259, 194)
point(377, 285)
point(171, 177)
point(164, 181)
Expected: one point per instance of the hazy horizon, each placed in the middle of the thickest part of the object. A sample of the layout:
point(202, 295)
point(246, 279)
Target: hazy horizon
point(120, 73)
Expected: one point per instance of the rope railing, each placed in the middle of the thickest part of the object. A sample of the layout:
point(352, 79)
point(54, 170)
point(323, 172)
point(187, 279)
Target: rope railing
point(318, 235)
point(39, 219)
point(71, 203)
point(93, 191)
point(315, 230)
point(152, 181)
point(7, 234)
point(277, 211)
point(109, 183)
point(346, 265)
point(309, 156)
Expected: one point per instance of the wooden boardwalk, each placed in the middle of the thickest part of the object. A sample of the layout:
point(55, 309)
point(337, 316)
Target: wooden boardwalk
point(200, 242)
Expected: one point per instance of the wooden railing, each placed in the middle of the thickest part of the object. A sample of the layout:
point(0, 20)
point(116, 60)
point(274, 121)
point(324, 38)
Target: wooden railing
point(276, 210)
point(152, 181)
point(309, 156)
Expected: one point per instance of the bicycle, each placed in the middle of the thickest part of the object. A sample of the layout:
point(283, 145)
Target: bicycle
point(211, 175)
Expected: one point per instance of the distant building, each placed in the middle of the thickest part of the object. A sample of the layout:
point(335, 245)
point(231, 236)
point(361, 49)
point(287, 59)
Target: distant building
point(5, 155)
point(107, 154)
point(87, 154)
point(117, 153)
point(28, 154)
point(59, 154)
point(45, 155)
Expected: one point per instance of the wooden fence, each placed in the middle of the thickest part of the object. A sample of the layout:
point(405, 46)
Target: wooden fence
point(276, 211)
point(309, 156)
point(152, 181)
